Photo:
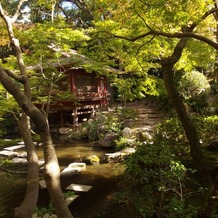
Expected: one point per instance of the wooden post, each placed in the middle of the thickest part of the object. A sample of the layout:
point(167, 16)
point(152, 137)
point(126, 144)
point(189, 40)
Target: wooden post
point(75, 117)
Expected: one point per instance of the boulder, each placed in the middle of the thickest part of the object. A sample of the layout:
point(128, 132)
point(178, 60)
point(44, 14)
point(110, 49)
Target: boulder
point(126, 132)
point(64, 130)
point(143, 136)
point(73, 169)
point(120, 155)
point(91, 159)
point(18, 160)
point(22, 154)
point(109, 140)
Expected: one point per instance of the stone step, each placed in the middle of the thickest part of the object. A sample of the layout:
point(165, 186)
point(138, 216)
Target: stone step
point(156, 115)
point(79, 187)
point(8, 153)
point(70, 199)
point(15, 147)
point(73, 168)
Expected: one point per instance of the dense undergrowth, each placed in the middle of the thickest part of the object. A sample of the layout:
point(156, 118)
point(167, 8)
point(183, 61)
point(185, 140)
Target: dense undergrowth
point(159, 179)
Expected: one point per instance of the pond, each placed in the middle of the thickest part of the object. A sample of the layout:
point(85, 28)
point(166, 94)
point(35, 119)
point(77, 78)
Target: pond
point(102, 178)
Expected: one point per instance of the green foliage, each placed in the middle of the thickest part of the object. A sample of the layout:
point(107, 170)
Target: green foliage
point(7, 103)
point(41, 211)
point(127, 113)
point(96, 128)
point(93, 130)
point(207, 128)
point(137, 88)
point(156, 181)
point(7, 143)
point(194, 88)
point(171, 132)
point(113, 123)
point(121, 143)
point(6, 162)
point(69, 194)
point(104, 124)
point(192, 84)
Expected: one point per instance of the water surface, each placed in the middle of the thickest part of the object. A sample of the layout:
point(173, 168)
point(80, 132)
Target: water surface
point(101, 177)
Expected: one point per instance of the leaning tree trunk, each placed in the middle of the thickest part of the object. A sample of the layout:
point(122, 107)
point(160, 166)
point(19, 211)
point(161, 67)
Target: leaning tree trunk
point(28, 205)
point(52, 171)
point(190, 131)
point(203, 167)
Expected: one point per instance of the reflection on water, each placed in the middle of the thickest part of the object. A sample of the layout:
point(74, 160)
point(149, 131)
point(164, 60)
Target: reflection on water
point(68, 152)
point(12, 186)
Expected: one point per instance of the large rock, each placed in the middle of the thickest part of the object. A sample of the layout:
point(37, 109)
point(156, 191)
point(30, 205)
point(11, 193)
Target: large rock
point(109, 140)
point(19, 160)
point(120, 155)
point(64, 130)
point(91, 159)
point(73, 169)
point(126, 132)
point(143, 135)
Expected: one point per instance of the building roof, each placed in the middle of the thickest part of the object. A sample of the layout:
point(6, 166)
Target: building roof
point(74, 60)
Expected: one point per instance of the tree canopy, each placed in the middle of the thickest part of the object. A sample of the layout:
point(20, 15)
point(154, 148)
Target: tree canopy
point(146, 43)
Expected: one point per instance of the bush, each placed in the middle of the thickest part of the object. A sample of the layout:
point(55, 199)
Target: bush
point(207, 128)
point(194, 87)
point(156, 183)
point(170, 132)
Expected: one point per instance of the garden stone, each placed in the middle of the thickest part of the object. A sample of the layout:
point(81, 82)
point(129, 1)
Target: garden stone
point(109, 140)
point(91, 159)
point(143, 135)
point(64, 130)
point(18, 160)
point(73, 168)
point(126, 132)
point(120, 155)
point(8, 153)
point(22, 154)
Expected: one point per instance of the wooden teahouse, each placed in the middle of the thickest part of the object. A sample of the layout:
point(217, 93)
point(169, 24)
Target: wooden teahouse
point(88, 89)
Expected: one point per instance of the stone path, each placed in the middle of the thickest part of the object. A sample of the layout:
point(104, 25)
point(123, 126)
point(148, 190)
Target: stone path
point(148, 116)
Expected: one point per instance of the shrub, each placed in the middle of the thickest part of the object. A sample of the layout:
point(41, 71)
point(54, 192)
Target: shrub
point(157, 183)
point(207, 128)
point(127, 113)
point(170, 132)
point(155, 180)
point(194, 87)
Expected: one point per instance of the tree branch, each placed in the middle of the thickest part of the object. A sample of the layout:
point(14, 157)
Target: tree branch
point(17, 12)
point(186, 34)
point(15, 76)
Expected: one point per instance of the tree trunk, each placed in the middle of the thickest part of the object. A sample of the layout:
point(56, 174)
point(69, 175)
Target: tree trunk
point(190, 131)
point(52, 176)
point(216, 36)
point(52, 171)
point(203, 166)
point(28, 205)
